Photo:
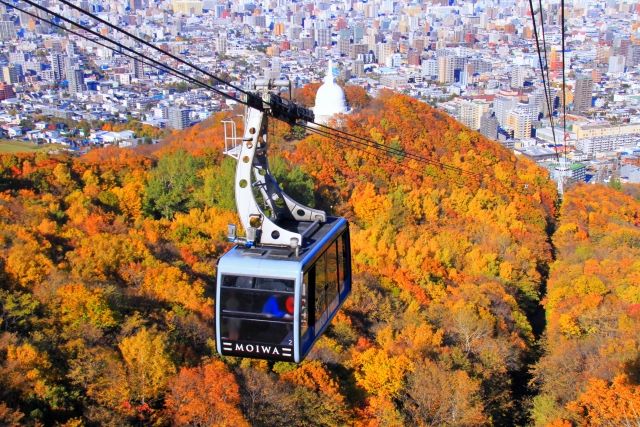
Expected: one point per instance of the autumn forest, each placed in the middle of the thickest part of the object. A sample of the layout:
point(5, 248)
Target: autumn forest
point(474, 302)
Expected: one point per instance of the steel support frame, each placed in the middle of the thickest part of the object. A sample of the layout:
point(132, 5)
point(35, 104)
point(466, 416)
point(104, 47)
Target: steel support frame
point(252, 170)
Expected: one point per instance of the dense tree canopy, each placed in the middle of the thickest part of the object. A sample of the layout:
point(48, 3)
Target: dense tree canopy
point(590, 372)
point(107, 272)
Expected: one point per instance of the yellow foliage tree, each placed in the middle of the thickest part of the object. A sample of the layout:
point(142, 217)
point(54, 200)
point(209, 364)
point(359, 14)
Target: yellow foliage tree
point(149, 367)
point(81, 305)
point(168, 283)
point(27, 264)
point(381, 374)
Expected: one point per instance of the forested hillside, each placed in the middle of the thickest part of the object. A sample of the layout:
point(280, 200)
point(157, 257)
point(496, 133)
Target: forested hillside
point(590, 371)
point(107, 269)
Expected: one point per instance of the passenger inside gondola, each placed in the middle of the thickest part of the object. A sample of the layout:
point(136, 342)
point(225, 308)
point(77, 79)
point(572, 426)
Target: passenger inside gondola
point(257, 309)
point(279, 307)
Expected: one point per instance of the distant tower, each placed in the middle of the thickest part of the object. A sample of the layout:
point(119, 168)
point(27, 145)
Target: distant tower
point(330, 99)
point(7, 30)
point(138, 68)
point(58, 66)
point(582, 94)
point(178, 118)
point(489, 125)
point(75, 79)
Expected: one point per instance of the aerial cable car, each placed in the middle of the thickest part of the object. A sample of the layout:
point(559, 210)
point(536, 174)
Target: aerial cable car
point(283, 282)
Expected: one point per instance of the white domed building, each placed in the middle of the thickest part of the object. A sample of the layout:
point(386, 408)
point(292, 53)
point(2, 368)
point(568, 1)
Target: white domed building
point(330, 99)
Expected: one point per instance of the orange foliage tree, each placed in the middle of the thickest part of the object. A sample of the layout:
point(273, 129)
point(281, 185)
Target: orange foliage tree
point(206, 395)
point(593, 323)
point(446, 270)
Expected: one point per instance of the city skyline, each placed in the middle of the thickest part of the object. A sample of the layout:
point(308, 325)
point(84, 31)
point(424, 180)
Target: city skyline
point(469, 59)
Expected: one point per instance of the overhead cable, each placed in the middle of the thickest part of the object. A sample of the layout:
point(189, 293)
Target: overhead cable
point(151, 45)
point(545, 82)
point(331, 133)
point(133, 51)
point(564, 82)
point(390, 151)
point(164, 68)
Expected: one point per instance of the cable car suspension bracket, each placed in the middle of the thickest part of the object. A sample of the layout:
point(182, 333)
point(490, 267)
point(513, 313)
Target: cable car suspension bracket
point(252, 171)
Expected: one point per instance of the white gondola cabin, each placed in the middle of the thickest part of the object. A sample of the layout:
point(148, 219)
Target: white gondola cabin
point(273, 303)
point(281, 284)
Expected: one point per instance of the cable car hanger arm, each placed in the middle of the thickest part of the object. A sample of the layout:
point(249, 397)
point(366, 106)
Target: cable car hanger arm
point(263, 226)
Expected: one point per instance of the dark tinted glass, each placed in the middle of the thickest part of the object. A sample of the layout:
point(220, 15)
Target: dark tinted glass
point(265, 305)
point(257, 309)
point(331, 257)
point(321, 287)
point(341, 260)
point(260, 283)
point(258, 331)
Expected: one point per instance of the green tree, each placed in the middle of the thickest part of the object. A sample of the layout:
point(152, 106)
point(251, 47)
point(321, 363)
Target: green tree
point(218, 185)
point(85, 127)
point(298, 132)
point(17, 310)
point(172, 184)
point(293, 180)
point(615, 184)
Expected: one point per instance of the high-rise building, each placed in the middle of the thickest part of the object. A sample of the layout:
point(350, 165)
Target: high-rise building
point(429, 68)
point(7, 30)
point(58, 65)
point(358, 68)
point(471, 111)
point(446, 68)
point(503, 104)
point(518, 76)
point(137, 4)
point(178, 118)
point(221, 44)
point(621, 46)
point(519, 122)
point(75, 78)
point(138, 68)
point(538, 102)
point(357, 49)
point(489, 125)
point(357, 33)
point(307, 42)
point(633, 56)
point(279, 29)
point(582, 93)
point(12, 74)
point(323, 37)
point(467, 74)
point(480, 65)
point(219, 10)
point(17, 58)
point(343, 45)
point(6, 91)
point(187, 7)
point(413, 58)
point(259, 21)
point(616, 64)
point(383, 51)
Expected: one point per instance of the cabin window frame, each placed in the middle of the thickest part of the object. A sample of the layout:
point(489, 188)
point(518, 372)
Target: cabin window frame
point(238, 319)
